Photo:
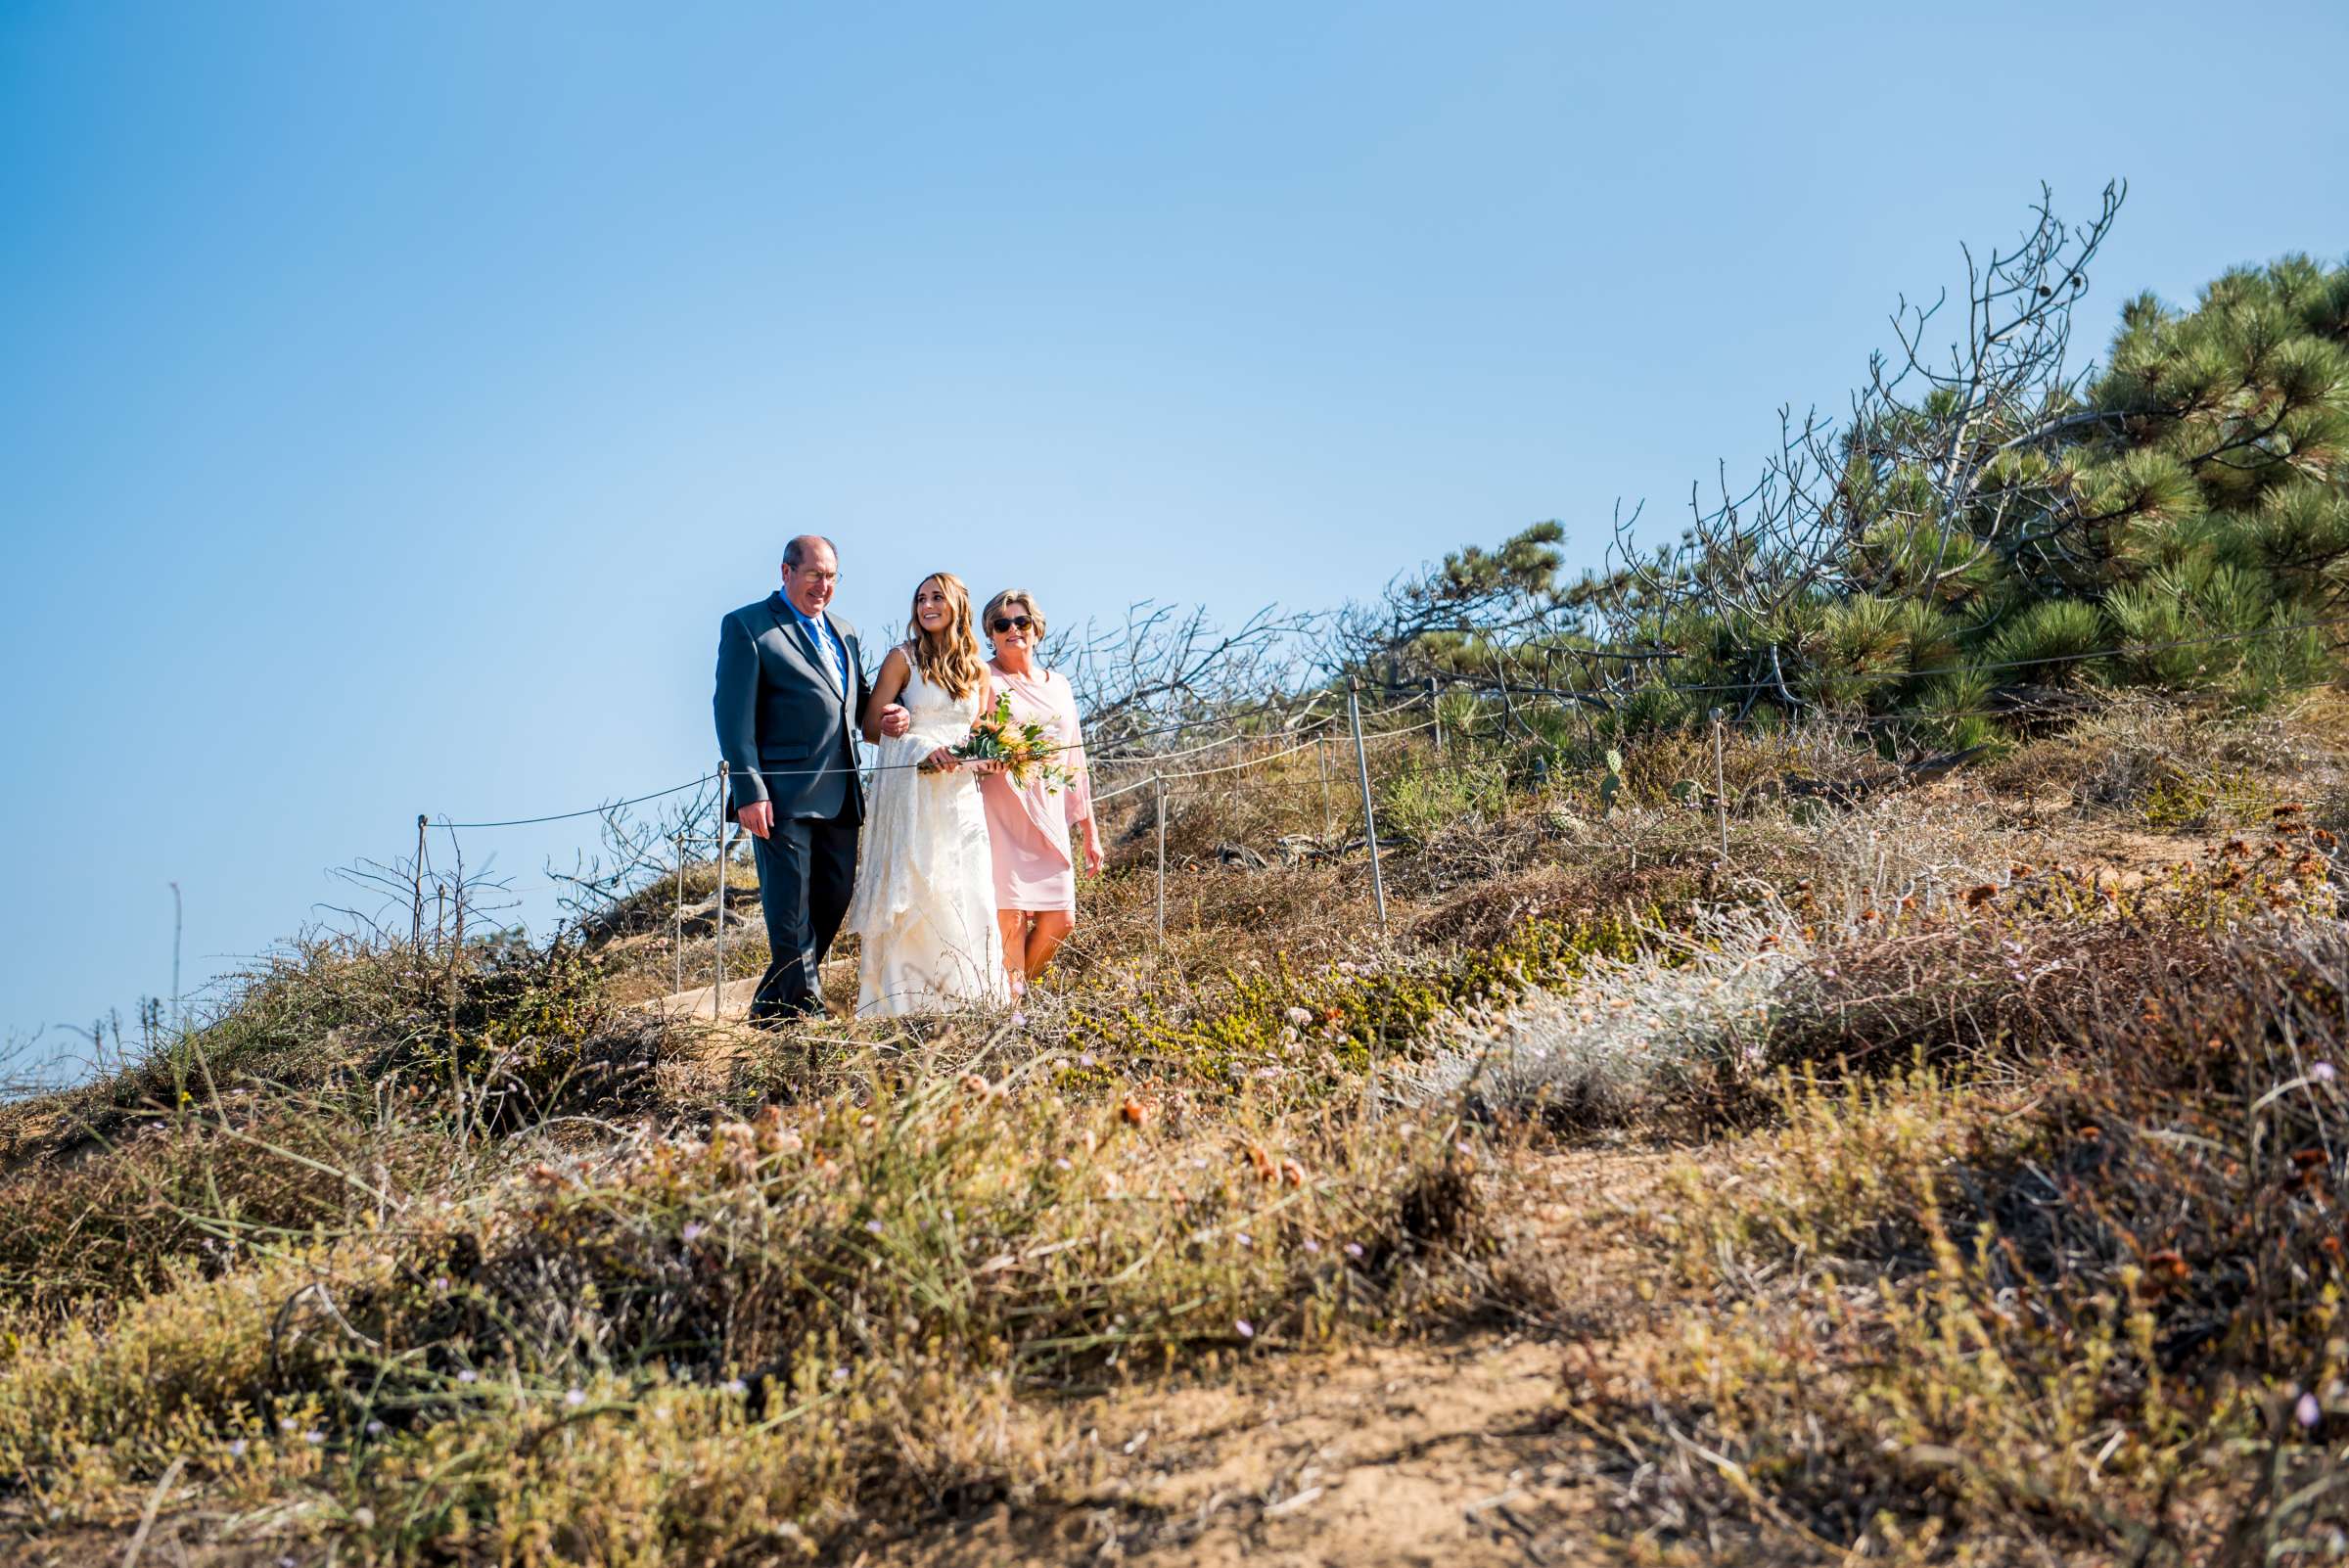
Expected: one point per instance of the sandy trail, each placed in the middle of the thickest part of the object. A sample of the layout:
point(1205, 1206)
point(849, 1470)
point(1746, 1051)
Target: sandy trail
point(1451, 1451)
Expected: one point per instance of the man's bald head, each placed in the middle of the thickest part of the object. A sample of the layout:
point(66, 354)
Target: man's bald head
point(810, 572)
point(796, 552)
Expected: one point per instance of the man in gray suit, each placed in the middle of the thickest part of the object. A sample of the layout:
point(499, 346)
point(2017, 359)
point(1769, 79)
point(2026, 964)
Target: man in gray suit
point(791, 691)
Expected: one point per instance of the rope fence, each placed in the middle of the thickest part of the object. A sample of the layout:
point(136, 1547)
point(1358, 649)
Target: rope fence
point(724, 837)
point(1319, 732)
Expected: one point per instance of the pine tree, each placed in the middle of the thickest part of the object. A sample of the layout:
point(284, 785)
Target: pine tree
point(2180, 520)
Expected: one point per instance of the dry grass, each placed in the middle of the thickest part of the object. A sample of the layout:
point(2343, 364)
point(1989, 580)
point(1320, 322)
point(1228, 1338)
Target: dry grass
point(1998, 1237)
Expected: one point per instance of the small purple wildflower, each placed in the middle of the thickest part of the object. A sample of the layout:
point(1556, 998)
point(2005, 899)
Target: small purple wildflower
point(1245, 1328)
point(1310, 1245)
point(574, 1398)
point(840, 1375)
point(236, 1450)
point(469, 1375)
point(1243, 1238)
point(736, 1387)
point(2309, 1411)
point(694, 1231)
point(1354, 1249)
point(375, 1429)
point(2322, 1073)
point(873, 1226)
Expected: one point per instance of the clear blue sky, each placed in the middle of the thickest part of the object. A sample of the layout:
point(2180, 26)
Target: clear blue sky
point(393, 396)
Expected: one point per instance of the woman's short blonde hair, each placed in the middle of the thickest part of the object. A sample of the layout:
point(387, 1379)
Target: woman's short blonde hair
point(1004, 601)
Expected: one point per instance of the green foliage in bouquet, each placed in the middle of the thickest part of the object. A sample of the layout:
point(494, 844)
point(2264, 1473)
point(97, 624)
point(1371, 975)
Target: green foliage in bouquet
point(1025, 752)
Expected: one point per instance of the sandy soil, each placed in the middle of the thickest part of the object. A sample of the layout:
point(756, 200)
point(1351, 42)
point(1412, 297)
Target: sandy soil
point(1461, 1452)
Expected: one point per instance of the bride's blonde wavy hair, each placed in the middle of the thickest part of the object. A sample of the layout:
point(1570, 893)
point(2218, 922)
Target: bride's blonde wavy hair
point(949, 660)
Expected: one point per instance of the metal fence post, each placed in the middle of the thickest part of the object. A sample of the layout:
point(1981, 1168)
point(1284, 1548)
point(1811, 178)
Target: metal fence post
point(718, 990)
point(416, 881)
point(1330, 820)
point(456, 910)
point(1361, 763)
point(1721, 793)
point(679, 944)
point(1158, 780)
point(178, 919)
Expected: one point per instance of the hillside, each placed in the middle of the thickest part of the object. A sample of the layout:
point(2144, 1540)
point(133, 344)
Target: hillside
point(1951, 1174)
point(1831, 1053)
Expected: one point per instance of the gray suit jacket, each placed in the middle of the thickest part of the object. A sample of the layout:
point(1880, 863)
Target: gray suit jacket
point(781, 715)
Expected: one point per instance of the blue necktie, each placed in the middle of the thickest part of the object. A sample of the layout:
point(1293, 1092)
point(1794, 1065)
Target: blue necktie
point(820, 633)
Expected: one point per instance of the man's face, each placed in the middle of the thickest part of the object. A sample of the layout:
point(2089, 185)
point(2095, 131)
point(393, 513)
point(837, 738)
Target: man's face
point(809, 584)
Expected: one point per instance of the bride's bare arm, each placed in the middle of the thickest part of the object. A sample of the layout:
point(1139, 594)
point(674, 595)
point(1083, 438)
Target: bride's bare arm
point(886, 686)
point(987, 705)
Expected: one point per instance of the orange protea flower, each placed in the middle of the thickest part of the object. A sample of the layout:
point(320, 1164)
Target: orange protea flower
point(1292, 1173)
point(1133, 1113)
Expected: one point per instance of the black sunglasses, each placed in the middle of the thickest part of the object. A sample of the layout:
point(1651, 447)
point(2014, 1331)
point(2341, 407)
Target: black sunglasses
point(1007, 622)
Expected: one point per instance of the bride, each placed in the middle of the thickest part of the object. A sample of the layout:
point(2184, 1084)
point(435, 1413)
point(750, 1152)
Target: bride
point(925, 900)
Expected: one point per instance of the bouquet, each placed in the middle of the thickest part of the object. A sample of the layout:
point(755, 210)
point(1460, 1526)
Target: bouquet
point(1023, 751)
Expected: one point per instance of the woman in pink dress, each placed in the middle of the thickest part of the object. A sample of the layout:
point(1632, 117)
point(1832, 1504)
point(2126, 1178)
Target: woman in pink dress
point(1028, 825)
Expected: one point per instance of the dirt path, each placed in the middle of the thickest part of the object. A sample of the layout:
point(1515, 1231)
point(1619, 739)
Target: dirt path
point(1453, 1452)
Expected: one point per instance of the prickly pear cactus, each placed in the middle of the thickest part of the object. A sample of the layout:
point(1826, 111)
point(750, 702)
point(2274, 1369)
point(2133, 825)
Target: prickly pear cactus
point(1610, 788)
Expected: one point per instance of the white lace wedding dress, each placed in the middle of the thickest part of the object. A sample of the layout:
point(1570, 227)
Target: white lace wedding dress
point(924, 905)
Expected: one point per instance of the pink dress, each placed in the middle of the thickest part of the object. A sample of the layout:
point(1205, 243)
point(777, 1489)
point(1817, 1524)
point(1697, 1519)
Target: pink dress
point(1029, 825)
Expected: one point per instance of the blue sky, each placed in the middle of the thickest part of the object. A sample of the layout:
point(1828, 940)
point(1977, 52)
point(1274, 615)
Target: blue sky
point(393, 396)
